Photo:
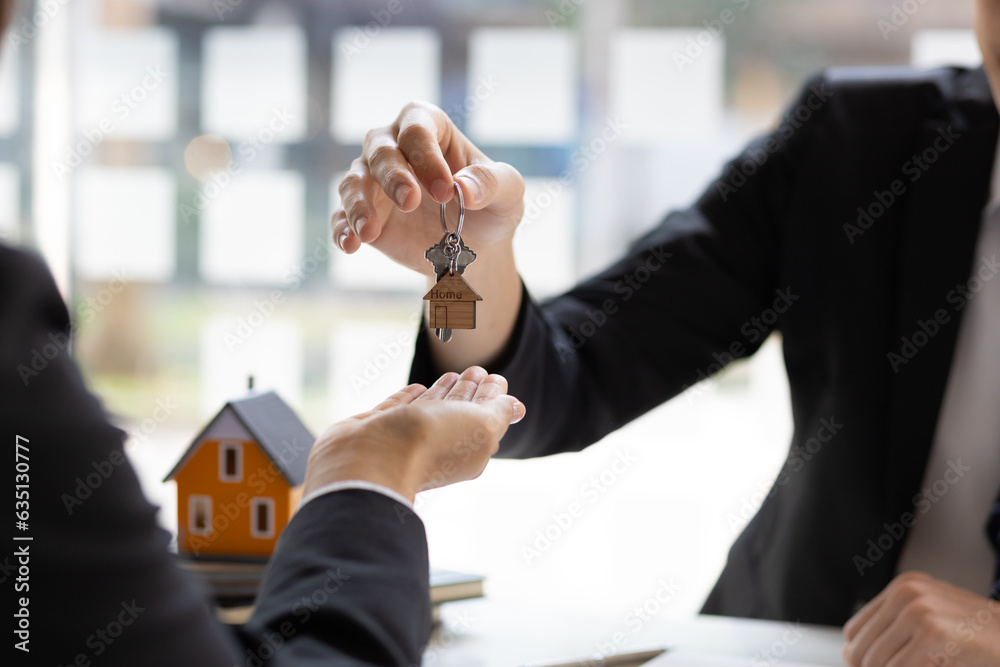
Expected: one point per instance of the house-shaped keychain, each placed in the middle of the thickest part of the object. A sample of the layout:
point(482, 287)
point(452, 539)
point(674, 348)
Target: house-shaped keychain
point(239, 482)
point(451, 303)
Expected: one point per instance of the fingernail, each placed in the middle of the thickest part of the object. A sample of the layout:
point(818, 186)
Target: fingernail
point(472, 188)
point(402, 192)
point(342, 239)
point(440, 189)
point(519, 412)
point(448, 378)
point(360, 224)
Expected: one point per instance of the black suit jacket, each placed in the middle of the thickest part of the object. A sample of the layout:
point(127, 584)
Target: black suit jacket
point(347, 584)
point(777, 242)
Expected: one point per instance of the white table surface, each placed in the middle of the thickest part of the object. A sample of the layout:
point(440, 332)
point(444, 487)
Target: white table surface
point(485, 633)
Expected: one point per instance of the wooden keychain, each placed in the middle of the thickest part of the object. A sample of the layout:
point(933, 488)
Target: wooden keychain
point(451, 303)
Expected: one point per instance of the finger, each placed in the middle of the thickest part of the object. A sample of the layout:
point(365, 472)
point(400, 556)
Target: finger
point(861, 618)
point(891, 642)
point(894, 598)
point(910, 654)
point(440, 389)
point(404, 396)
point(423, 130)
point(897, 593)
point(503, 411)
point(390, 170)
point(484, 183)
point(343, 237)
point(519, 412)
point(490, 387)
point(867, 634)
point(358, 192)
point(468, 383)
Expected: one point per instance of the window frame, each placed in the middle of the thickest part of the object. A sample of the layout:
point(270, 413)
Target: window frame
point(194, 500)
point(227, 446)
point(255, 504)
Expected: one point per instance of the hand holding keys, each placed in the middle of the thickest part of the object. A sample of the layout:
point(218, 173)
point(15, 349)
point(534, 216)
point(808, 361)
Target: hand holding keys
point(452, 301)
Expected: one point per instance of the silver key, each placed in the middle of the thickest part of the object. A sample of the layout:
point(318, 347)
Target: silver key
point(439, 255)
point(450, 255)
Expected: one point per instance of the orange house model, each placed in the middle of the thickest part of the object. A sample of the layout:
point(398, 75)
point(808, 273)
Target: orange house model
point(240, 480)
point(452, 304)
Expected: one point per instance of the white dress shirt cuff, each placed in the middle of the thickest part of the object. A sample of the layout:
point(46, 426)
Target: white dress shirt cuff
point(357, 484)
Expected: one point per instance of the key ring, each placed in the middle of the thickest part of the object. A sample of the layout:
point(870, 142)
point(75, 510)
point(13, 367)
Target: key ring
point(453, 243)
point(461, 212)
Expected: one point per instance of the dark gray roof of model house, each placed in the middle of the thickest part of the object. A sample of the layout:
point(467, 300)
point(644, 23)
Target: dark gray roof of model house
point(274, 426)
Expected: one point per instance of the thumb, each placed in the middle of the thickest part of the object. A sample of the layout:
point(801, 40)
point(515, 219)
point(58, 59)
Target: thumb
point(503, 411)
point(490, 183)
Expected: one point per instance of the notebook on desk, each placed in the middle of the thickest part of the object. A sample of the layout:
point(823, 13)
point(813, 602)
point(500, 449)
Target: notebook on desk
point(234, 585)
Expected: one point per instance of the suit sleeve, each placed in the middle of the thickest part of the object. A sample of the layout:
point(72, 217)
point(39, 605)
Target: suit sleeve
point(94, 582)
point(676, 309)
point(348, 583)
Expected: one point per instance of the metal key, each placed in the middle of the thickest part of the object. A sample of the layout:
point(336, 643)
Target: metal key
point(438, 256)
point(450, 255)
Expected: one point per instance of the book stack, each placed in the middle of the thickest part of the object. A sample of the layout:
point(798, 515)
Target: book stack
point(234, 585)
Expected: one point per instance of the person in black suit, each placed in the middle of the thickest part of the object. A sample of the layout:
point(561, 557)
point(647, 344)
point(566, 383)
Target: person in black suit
point(91, 581)
point(863, 229)
point(95, 584)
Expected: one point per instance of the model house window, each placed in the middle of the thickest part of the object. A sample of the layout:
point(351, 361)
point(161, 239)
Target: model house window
point(200, 515)
point(262, 517)
point(231, 462)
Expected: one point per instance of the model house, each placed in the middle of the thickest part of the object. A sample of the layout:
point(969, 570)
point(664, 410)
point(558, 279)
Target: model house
point(451, 303)
point(240, 480)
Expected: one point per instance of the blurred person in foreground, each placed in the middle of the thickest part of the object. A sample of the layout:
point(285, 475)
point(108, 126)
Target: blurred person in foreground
point(865, 229)
point(95, 583)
